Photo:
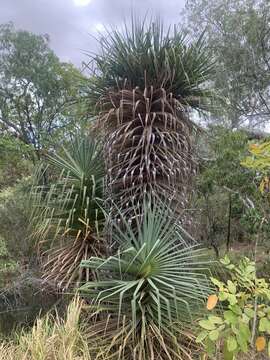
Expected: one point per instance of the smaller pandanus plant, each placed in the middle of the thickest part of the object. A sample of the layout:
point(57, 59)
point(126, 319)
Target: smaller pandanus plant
point(67, 216)
point(149, 292)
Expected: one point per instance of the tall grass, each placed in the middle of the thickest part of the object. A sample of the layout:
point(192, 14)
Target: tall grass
point(51, 338)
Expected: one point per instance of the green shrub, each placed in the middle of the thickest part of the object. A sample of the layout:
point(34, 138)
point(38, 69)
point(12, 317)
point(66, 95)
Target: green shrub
point(242, 321)
point(8, 266)
point(14, 220)
point(15, 161)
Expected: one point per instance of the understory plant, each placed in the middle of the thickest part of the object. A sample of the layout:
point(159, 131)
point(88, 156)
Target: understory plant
point(51, 338)
point(259, 160)
point(239, 319)
point(149, 292)
point(8, 266)
point(67, 217)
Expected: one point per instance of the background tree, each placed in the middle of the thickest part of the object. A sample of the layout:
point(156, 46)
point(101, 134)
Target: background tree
point(36, 89)
point(226, 190)
point(237, 33)
point(14, 161)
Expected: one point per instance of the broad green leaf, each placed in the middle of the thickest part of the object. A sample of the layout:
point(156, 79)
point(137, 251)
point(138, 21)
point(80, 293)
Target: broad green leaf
point(231, 343)
point(202, 335)
point(231, 287)
point(213, 335)
point(207, 325)
point(210, 346)
point(264, 325)
point(232, 299)
point(227, 355)
point(245, 319)
point(236, 309)
point(221, 328)
point(230, 317)
point(249, 312)
point(242, 343)
point(223, 296)
point(244, 331)
point(267, 310)
point(235, 329)
point(215, 319)
point(216, 282)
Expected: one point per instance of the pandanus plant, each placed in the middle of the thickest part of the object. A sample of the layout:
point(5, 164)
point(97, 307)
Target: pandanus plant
point(144, 85)
point(67, 217)
point(149, 293)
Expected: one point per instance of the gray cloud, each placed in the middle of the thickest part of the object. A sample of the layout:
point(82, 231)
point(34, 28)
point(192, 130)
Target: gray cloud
point(70, 27)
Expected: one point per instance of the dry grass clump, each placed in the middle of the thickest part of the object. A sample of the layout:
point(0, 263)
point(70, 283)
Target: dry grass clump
point(51, 338)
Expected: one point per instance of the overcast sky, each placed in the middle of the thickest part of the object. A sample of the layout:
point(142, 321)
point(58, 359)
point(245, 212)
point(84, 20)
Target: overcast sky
point(70, 23)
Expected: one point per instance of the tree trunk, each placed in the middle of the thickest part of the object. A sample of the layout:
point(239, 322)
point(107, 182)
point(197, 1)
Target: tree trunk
point(228, 241)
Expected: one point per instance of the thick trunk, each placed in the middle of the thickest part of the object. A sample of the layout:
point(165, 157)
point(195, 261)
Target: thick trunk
point(147, 149)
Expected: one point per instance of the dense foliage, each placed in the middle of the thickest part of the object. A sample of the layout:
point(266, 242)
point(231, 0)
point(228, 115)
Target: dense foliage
point(237, 33)
point(243, 319)
point(36, 90)
point(226, 191)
